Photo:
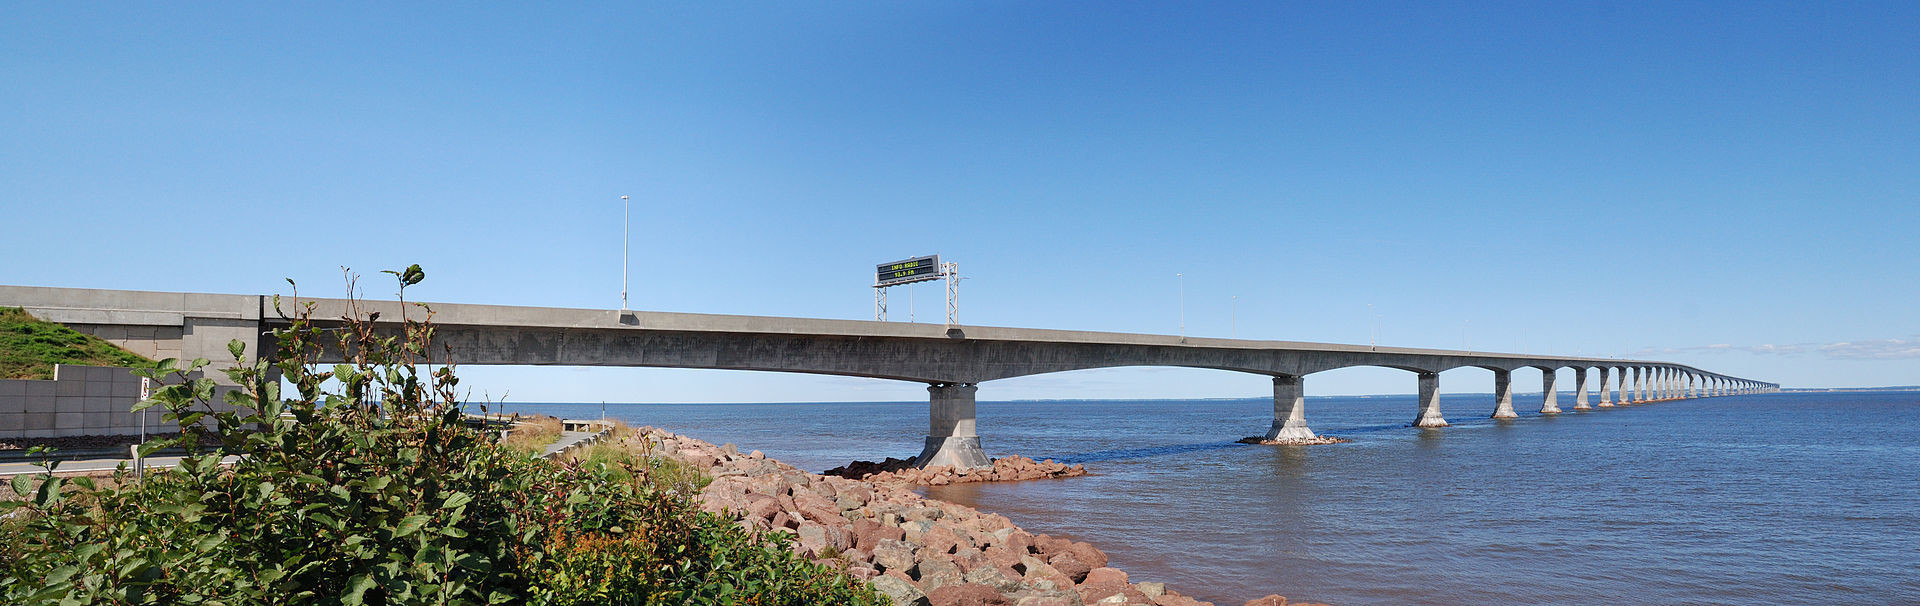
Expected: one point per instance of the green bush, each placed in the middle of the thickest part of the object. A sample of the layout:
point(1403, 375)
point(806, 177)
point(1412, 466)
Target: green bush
point(365, 486)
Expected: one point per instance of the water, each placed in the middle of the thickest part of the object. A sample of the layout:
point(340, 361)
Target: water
point(1793, 498)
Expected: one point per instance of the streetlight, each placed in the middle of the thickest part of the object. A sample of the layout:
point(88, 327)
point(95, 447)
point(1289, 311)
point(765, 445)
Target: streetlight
point(1373, 336)
point(1468, 333)
point(626, 227)
point(1233, 318)
point(1183, 304)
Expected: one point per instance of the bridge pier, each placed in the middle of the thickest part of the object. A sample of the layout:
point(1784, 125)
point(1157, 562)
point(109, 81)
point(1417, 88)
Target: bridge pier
point(950, 432)
point(1289, 410)
point(1580, 387)
point(1429, 402)
point(1550, 398)
point(1606, 391)
point(1503, 395)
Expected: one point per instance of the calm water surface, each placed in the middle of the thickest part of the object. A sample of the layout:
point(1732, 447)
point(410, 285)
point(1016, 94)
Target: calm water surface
point(1790, 498)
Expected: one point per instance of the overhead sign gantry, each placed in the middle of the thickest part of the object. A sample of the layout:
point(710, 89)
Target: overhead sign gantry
point(909, 271)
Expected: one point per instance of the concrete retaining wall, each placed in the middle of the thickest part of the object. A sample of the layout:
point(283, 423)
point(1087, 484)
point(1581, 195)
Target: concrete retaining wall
point(79, 401)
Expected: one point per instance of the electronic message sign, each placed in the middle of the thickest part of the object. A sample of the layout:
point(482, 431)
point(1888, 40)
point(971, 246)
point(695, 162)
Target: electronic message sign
point(917, 269)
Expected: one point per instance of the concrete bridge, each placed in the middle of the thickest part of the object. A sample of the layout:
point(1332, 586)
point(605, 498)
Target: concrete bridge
point(952, 360)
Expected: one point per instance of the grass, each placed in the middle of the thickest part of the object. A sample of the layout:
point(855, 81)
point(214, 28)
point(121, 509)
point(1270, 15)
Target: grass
point(29, 347)
point(625, 452)
point(533, 434)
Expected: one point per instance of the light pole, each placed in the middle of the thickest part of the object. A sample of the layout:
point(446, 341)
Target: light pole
point(1183, 304)
point(626, 226)
point(1373, 335)
point(1233, 318)
point(1468, 333)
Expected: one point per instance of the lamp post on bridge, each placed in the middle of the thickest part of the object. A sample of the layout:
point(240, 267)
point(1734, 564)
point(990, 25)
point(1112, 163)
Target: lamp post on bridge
point(1233, 318)
point(1183, 304)
point(626, 226)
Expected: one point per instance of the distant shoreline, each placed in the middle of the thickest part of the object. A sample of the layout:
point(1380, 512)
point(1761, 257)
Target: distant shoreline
point(1897, 388)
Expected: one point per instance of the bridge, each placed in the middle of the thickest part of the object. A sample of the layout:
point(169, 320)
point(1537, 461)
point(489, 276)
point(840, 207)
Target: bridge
point(953, 360)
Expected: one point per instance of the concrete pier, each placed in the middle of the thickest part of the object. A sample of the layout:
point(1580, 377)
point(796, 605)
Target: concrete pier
point(1429, 402)
point(1580, 388)
point(1606, 391)
point(1503, 395)
point(951, 439)
point(1643, 385)
point(1289, 410)
point(1549, 399)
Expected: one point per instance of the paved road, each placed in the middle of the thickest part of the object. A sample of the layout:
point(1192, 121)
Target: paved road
point(91, 465)
point(567, 438)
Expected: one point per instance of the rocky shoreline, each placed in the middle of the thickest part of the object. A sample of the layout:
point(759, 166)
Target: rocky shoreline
point(917, 551)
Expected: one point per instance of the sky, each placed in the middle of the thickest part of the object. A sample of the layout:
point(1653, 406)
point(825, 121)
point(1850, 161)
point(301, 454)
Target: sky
point(1730, 185)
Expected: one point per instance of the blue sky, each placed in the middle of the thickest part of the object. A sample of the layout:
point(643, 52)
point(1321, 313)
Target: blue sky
point(1729, 185)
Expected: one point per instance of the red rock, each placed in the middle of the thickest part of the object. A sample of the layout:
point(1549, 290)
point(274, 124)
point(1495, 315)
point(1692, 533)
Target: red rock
point(1089, 554)
point(1270, 600)
point(1094, 592)
point(1070, 564)
point(1020, 542)
point(1049, 546)
point(1001, 557)
point(940, 540)
point(969, 558)
point(967, 594)
point(761, 507)
point(1106, 575)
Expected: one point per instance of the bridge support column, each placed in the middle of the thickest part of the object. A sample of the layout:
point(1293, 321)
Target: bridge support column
point(950, 434)
point(1580, 387)
point(1289, 410)
point(1641, 377)
point(1606, 391)
point(1503, 395)
point(1550, 397)
point(1429, 402)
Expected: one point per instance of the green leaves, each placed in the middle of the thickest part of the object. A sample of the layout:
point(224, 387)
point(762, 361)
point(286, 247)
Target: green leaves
point(410, 524)
point(410, 276)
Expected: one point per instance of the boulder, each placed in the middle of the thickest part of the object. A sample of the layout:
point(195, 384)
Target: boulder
point(901, 592)
point(937, 571)
point(992, 577)
point(1269, 600)
point(1069, 564)
point(967, 594)
point(813, 538)
point(1089, 554)
point(1106, 575)
point(893, 554)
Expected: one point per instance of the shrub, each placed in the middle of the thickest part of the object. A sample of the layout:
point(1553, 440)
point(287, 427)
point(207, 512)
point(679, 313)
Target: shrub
point(364, 485)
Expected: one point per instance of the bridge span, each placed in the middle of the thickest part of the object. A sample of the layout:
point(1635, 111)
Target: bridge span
point(952, 360)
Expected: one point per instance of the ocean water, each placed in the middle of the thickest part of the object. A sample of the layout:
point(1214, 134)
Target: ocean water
point(1781, 498)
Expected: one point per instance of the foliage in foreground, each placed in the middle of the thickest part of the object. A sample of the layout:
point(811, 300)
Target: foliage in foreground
point(29, 347)
point(364, 486)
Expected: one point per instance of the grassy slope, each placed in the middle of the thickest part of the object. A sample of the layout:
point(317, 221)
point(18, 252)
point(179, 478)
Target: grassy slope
point(29, 347)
